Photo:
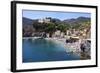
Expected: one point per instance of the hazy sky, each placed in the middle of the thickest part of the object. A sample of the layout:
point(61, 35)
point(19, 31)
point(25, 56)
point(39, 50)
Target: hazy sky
point(60, 15)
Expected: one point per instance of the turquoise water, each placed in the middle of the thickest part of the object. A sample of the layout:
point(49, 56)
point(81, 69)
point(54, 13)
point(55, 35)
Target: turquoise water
point(41, 50)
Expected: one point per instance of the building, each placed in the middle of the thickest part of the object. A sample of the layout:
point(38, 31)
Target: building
point(45, 20)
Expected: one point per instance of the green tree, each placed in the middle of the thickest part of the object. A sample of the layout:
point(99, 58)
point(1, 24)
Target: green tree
point(50, 28)
point(62, 28)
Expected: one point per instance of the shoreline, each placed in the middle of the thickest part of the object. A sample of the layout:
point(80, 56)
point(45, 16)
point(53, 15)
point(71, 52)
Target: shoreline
point(69, 47)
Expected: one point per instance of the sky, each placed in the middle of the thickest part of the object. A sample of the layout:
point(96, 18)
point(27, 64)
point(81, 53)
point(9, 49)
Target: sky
point(32, 14)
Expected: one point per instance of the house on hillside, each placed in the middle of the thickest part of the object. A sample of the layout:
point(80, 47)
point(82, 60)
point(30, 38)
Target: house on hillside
point(45, 20)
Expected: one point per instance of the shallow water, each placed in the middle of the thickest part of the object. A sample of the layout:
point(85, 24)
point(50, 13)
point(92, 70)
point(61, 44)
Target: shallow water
point(41, 50)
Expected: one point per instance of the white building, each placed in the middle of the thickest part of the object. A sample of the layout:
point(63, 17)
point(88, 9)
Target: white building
point(45, 20)
point(40, 20)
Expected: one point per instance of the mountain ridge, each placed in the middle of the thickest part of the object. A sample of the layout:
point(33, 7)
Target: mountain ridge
point(27, 21)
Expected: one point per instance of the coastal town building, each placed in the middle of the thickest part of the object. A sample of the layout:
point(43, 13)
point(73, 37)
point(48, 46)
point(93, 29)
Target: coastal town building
point(44, 20)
